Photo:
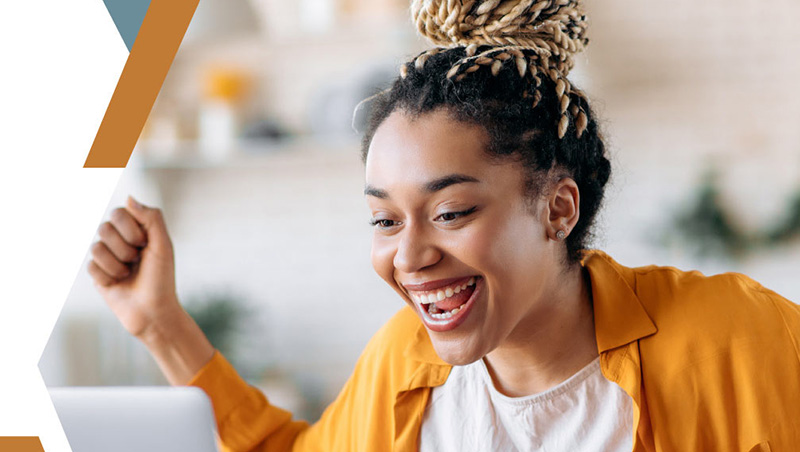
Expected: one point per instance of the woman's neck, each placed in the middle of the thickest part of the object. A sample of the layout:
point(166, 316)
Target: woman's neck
point(549, 345)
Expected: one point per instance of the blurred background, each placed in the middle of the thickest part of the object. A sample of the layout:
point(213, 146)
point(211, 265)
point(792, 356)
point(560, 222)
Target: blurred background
point(251, 152)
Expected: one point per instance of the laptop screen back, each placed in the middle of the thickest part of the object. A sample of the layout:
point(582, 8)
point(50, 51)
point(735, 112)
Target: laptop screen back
point(136, 419)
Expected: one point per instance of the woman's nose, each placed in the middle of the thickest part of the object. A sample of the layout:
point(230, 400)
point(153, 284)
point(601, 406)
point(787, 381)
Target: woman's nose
point(415, 251)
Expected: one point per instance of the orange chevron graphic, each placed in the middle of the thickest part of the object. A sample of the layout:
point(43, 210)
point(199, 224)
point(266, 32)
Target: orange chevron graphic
point(151, 56)
point(20, 444)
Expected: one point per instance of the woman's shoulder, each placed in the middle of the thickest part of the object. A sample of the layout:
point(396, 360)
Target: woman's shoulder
point(723, 344)
point(694, 310)
point(668, 291)
point(702, 318)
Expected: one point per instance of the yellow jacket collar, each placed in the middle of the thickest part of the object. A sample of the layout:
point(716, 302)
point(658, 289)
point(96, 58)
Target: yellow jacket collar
point(619, 317)
point(420, 347)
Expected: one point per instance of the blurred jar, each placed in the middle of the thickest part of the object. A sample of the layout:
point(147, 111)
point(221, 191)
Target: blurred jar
point(219, 125)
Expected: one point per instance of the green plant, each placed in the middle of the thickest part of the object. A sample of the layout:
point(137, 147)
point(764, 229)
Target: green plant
point(708, 227)
point(220, 316)
point(706, 224)
point(789, 229)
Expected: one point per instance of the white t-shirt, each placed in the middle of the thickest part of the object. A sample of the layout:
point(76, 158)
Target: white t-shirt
point(584, 413)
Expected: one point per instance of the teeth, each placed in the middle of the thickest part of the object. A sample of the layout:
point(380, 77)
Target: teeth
point(442, 294)
point(442, 315)
point(445, 315)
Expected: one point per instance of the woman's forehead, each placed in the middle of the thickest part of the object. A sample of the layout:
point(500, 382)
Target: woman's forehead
point(427, 153)
point(425, 147)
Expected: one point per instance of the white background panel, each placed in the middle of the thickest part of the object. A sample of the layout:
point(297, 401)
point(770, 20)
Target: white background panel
point(60, 65)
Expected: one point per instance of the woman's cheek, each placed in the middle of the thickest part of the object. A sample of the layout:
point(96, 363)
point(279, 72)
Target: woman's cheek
point(476, 255)
point(382, 256)
point(513, 240)
point(480, 246)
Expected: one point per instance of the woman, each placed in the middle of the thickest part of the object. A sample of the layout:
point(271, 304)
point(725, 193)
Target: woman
point(484, 170)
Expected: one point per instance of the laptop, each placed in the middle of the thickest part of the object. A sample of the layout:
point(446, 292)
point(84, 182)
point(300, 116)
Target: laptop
point(136, 419)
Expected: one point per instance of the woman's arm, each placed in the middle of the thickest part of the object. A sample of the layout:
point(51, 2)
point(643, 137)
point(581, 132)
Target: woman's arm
point(134, 270)
point(179, 347)
point(363, 416)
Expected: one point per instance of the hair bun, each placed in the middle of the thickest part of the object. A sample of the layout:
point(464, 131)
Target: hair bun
point(554, 29)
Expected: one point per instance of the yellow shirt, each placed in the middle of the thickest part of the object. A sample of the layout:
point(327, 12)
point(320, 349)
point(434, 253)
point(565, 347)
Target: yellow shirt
point(711, 363)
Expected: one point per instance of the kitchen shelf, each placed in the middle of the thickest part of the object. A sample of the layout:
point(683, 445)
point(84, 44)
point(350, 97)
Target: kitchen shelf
point(188, 155)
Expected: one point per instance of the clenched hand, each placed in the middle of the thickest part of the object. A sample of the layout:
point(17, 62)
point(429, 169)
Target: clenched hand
point(133, 267)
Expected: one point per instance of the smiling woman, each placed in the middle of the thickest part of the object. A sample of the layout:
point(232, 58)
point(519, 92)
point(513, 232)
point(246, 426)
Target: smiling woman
point(484, 170)
point(446, 215)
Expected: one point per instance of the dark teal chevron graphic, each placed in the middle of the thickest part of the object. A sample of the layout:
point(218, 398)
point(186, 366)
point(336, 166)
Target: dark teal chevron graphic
point(128, 16)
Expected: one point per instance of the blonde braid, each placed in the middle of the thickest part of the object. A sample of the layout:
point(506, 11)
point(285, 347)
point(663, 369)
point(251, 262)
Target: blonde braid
point(541, 36)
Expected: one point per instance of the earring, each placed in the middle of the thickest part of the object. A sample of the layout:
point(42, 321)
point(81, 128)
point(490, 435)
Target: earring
point(561, 234)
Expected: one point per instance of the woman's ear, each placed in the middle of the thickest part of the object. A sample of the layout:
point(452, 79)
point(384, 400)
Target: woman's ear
point(563, 209)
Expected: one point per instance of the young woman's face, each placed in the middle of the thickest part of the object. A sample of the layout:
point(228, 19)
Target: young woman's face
point(455, 229)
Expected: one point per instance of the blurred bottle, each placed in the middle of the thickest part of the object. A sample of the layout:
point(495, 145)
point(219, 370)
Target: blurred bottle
point(218, 121)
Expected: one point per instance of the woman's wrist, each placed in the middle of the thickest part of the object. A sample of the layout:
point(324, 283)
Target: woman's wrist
point(178, 345)
point(164, 325)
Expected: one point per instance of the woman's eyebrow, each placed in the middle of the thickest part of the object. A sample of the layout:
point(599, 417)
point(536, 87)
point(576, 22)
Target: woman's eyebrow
point(446, 181)
point(430, 187)
point(369, 190)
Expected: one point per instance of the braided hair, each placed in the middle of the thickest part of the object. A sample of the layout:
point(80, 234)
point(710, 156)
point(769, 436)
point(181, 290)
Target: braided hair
point(503, 65)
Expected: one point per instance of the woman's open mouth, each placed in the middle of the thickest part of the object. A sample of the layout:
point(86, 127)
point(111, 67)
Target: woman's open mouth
point(447, 307)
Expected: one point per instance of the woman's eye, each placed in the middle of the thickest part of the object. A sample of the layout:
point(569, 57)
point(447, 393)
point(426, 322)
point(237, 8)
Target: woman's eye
point(382, 223)
point(452, 216)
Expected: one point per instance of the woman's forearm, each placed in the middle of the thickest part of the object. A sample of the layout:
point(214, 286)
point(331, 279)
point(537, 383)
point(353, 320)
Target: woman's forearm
point(179, 347)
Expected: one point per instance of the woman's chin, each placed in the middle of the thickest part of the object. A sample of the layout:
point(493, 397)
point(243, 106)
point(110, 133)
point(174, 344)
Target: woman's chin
point(456, 353)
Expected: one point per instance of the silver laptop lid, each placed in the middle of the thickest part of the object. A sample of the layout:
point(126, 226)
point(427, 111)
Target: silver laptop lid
point(136, 419)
